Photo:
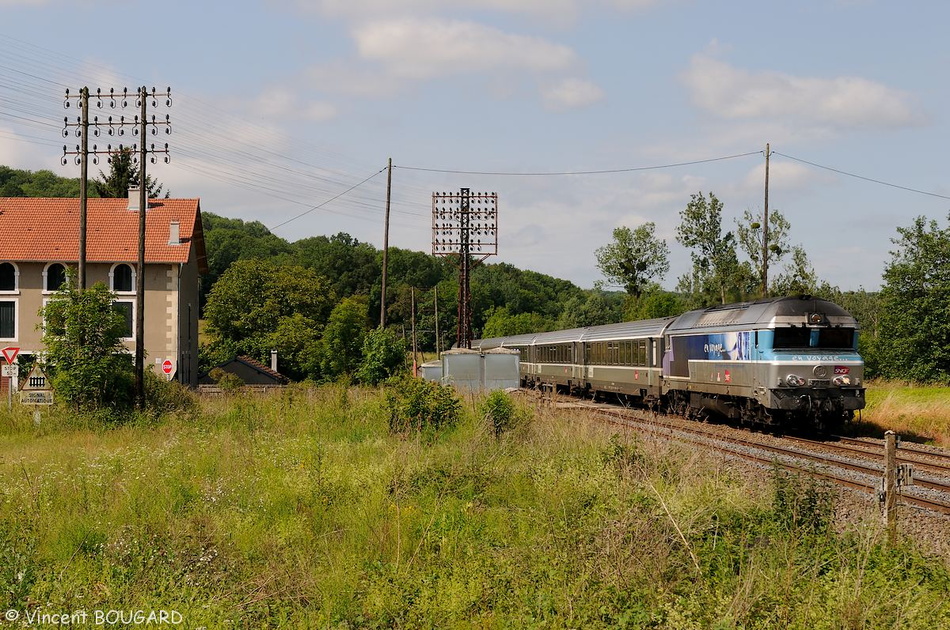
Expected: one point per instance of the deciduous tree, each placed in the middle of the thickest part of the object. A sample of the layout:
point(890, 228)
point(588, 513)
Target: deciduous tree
point(86, 359)
point(716, 268)
point(916, 304)
point(634, 258)
point(253, 300)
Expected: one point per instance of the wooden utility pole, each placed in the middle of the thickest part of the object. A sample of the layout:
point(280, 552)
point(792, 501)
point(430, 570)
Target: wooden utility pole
point(765, 229)
point(140, 125)
point(415, 361)
point(890, 485)
point(389, 189)
point(83, 185)
point(437, 353)
point(140, 272)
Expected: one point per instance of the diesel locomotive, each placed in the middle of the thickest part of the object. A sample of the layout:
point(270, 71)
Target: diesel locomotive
point(789, 362)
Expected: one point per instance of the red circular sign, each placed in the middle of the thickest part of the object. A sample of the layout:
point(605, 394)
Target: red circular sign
point(167, 366)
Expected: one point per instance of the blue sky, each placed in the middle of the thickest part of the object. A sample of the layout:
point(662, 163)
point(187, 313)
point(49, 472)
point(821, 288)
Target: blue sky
point(286, 111)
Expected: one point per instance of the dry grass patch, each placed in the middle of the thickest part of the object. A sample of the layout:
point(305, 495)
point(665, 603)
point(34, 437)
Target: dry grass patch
point(913, 411)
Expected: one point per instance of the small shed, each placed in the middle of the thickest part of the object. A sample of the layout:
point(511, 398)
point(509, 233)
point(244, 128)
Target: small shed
point(431, 371)
point(470, 369)
point(250, 371)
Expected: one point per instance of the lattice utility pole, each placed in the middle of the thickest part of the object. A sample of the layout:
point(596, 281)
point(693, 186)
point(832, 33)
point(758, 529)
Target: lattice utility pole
point(465, 225)
point(140, 125)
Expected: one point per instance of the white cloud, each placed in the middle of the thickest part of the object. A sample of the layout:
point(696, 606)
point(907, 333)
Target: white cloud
point(365, 9)
point(352, 79)
point(737, 94)
point(285, 103)
point(427, 48)
point(571, 93)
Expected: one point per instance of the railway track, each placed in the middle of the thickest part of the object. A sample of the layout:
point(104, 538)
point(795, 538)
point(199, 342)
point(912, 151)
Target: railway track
point(857, 464)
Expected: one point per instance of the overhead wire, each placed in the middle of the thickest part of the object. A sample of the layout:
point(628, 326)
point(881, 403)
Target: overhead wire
point(611, 171)
point(862, 177)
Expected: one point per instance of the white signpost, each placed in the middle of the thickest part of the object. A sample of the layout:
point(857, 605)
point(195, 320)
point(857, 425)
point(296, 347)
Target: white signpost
point(37, 390)
point(10, 371)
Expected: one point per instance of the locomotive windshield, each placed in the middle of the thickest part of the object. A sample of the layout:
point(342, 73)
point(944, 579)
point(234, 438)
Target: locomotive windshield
point(826, 338)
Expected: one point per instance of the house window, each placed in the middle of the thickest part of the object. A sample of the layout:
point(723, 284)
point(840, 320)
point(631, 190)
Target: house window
point(7, 319)
point(123, 278)
point(8, 277)
point(126, 310)
point(55, 277)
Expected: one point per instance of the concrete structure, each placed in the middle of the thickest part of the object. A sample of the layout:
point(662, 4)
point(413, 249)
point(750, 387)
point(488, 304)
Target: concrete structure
point(431, 371)
point(470, 369)
point(39, 239)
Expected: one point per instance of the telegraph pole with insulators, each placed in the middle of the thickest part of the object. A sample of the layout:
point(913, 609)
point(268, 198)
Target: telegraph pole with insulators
point(465, 225)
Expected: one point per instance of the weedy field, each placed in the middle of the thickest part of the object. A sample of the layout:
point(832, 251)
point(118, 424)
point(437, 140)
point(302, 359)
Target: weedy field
point(322, 508)
point(917, 411)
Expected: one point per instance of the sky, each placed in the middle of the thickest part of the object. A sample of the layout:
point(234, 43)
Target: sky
point(582, 115)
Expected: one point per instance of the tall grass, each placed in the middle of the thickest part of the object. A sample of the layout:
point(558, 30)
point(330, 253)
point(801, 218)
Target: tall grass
point(302, 510)
point(920, 412)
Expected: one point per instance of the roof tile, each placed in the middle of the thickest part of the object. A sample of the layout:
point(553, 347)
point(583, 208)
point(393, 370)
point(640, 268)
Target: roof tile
point(45, 229)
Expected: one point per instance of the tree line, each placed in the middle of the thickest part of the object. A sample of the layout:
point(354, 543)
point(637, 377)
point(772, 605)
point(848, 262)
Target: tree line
point(317, 300)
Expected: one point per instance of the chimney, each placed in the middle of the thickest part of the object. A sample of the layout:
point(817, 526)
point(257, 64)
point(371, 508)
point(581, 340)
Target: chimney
point(174, 233)
point(134, 198)
point(273, 360)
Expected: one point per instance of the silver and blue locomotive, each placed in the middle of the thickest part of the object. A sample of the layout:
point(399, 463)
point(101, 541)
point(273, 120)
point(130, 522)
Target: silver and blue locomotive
point(789, 361)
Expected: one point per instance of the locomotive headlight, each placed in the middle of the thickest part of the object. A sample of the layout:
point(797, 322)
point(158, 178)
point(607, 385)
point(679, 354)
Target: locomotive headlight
point(842, 380)
point(793, 380)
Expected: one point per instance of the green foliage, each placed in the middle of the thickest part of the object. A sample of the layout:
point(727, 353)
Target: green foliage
point(342, 344)
point(418, 406)
point(256, 299)
point(502, 323)
point(163, 397)
point(717, 277)
point(18, 183)
point(634, 259)
point(299, 510)
point(653, 304)
point(89, 366)
point(499, 411)
point(591, 308)
point(384, 356)
point(352, 267)
point(802, 504)
point(750, 233)
point(230, 240)
point(504, 285)
point(916, 305)
point(229, 382)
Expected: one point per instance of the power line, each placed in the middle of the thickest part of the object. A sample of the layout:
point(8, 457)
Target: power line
point(561, 173)
point(317, 207)
point(867, 179)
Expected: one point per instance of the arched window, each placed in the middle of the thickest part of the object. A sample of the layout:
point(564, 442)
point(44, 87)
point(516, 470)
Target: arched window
point(123, 278)
point(55, 277)
point(8, 277)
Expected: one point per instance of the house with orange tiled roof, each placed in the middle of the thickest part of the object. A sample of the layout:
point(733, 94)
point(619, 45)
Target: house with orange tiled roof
point(39, 240)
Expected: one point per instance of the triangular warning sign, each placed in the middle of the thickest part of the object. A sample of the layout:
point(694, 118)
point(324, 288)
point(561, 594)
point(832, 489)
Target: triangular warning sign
point(36, 379)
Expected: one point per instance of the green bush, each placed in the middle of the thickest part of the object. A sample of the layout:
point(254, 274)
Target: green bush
point(163, 396)
point(499, 411)
point(801, 503)
point(421, 406)
point(227, 381)
point(384, 356)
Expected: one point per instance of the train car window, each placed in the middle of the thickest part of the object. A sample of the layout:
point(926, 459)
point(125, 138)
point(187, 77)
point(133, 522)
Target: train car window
point(836, 338)
point(791, 338)
point(642, 352)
